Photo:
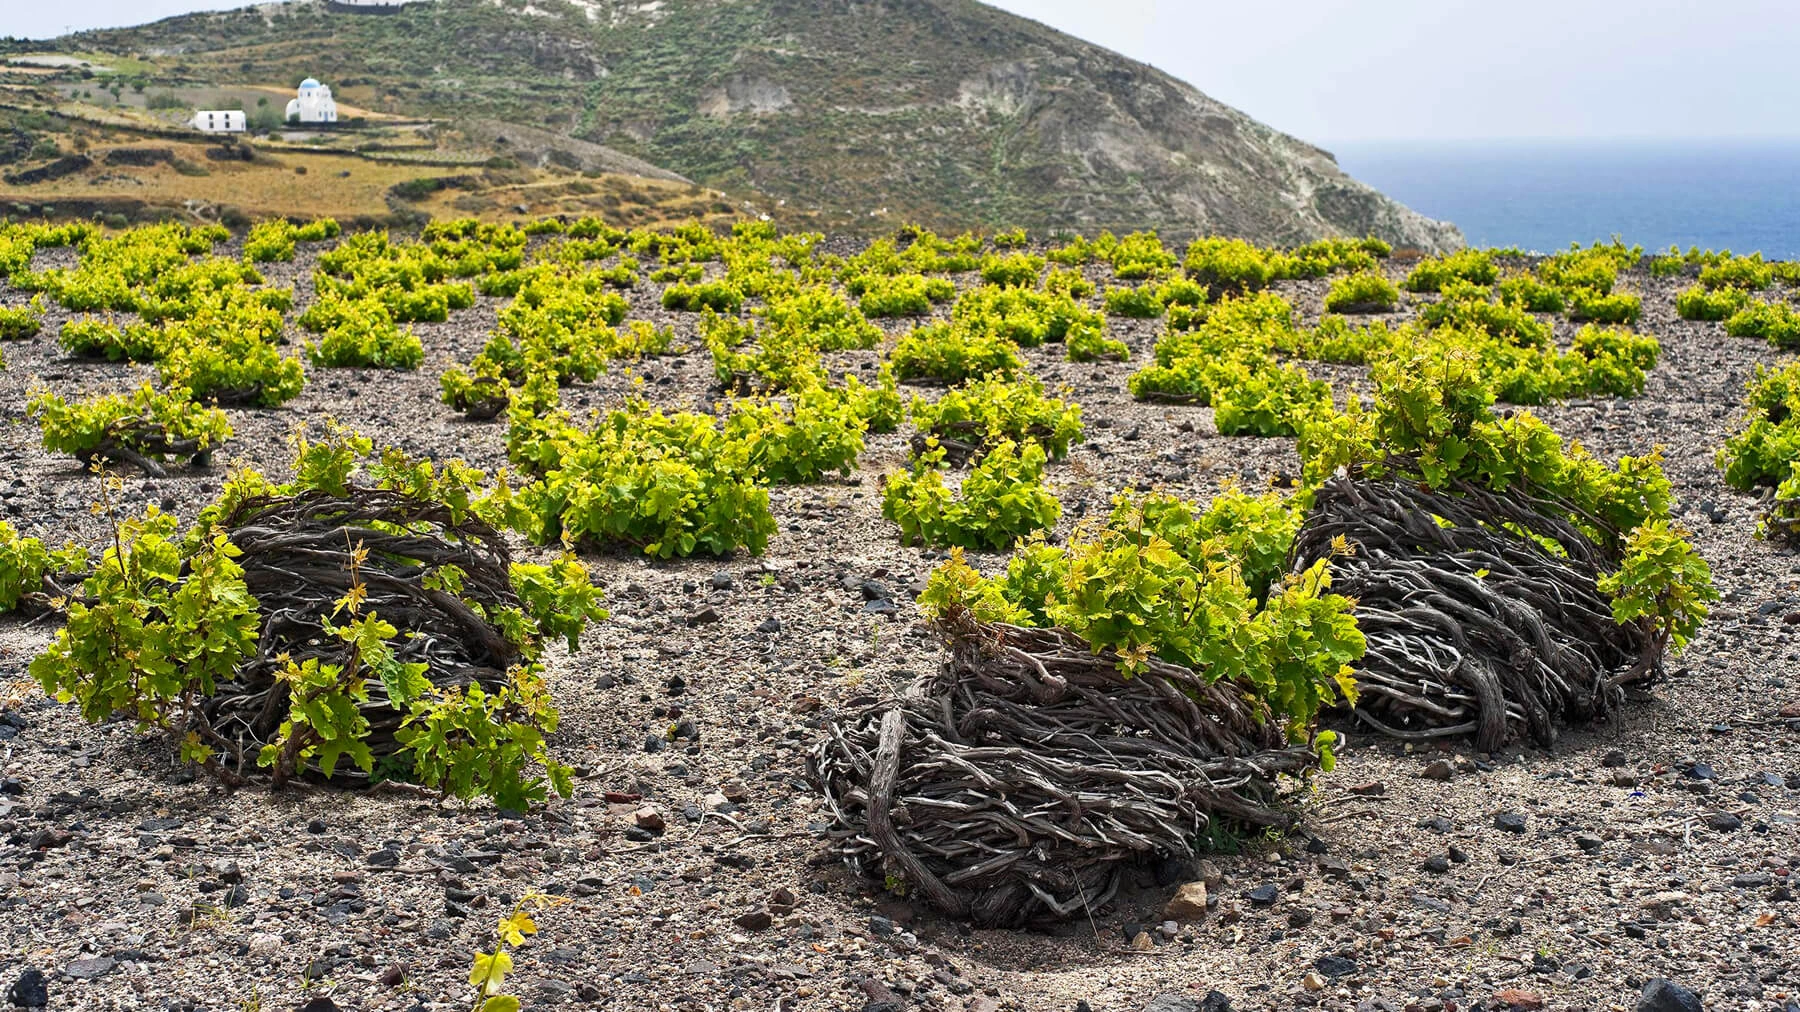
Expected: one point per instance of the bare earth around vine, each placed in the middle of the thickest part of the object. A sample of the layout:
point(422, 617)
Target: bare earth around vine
point(134, 885)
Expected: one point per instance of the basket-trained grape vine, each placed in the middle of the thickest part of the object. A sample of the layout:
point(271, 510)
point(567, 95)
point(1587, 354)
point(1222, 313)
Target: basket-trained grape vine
point(981, 577)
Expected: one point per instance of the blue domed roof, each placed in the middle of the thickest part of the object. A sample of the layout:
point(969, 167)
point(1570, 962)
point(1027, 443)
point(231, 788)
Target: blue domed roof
point(309, 83)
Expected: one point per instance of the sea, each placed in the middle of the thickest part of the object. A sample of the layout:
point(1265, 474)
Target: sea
point(1740, 195)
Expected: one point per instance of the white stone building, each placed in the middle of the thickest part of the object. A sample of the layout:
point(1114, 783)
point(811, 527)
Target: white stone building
point(219, 121)
point(313, 104)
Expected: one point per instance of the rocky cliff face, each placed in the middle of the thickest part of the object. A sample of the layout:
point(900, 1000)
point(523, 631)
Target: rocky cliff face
point(1099, 141)
point(946, 112)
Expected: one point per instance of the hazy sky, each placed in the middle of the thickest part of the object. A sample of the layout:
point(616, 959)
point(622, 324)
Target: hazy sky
point(1348, 70)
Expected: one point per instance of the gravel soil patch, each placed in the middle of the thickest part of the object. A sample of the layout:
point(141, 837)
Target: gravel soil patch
point(1432, 880)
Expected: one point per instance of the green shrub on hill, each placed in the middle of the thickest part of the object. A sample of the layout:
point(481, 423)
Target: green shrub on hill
point(1589, 304)
point(952, 353)
point(270, 241)
point(718, 296)
point(1087, 343)
point(1697, 302)
point(668, 484)
point(823, 318)
point(1229, 266)
point(1365, 292)
point(1530, 294)
point(144, 425)
point(20, 322)
point(1141, 256)
point(1142, 303)
point(1471, 265)
point(903, 295)
point(1020, 270)
point(817, 432)
point(1001, 500)
point(1748, 274)
point(994, 409)
point(1775, 322)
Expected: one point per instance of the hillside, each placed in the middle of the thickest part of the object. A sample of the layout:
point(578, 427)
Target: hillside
point(946, 112)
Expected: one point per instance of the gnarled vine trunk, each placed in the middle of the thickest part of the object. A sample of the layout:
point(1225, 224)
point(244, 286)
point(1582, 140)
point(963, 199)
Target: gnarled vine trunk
point(1480, 608)
point(297, 557)
point(1020, 780)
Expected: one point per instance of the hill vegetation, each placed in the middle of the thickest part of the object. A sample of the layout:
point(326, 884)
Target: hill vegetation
point(987, 120)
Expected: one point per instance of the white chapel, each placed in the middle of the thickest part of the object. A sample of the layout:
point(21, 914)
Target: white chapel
point(313, 104)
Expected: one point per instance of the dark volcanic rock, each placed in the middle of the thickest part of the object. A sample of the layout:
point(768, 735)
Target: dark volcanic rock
point(29, 991)
point(1662, 995)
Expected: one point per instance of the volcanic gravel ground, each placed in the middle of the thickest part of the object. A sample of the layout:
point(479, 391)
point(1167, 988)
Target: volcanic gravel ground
point(1662, 845)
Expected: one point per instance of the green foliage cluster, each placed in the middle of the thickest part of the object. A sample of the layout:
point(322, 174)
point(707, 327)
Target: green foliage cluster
point(1255, 397)
point(230, 356)
point(1747, 274)
point(1589, 304)
point(1336, 255)
point(1363, 292)
point(1661, 582)
point(1595, 269)
point(913, 251)
point(276, 239)
point(1001, 500)
point(718, 296)
point(222, 347)
point(669, 484)
point(826, 320)
point(1775, 322)
point(1698, 258)
point(1018, 270)
point(1229, 362)
point(146, 422)
point(20, 322)
point(151, 270)
point(97, 337)
point(1467, 307)
point(211, 332)
point(25, 562)
point(817, 431)
point(1530, 294)
point(416, 281)
point(1234, 266)
point(1022, 316)
point(995, 409)
point(560, 323)
point(270, 241)
point(1698, 302)
point(1144, 302)
point(1141, 256)
point(885, 295)
point(363, 333)
point(778, 360)
point(1160, 577)
point(1090, 344)
point(1765, 451)
point(1336, 340)
point(1230, 265)
point(164, 619)
point(954, 352)
point(1471, 265)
